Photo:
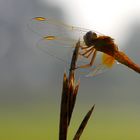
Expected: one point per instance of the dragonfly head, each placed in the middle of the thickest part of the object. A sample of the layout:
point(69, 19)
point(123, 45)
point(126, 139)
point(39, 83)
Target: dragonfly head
point(89, 38)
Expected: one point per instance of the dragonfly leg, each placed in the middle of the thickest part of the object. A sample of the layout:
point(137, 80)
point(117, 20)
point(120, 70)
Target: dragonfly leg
point(91, 62)
point(84, 47)
point(87, 51)
point(88, 55)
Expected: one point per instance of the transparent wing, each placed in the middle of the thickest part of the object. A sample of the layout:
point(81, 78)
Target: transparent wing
point(45, 26)
point(55, 38)
point(103, 63)
point(50, 29)
point(58, 40)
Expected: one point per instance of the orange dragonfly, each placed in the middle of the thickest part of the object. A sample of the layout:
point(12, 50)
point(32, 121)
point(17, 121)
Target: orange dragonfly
point(93, 44)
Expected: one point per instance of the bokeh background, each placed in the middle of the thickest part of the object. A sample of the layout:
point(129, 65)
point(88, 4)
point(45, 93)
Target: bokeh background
point(31, 81)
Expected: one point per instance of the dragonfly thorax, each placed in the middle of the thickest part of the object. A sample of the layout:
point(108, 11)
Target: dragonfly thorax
point(89, 38)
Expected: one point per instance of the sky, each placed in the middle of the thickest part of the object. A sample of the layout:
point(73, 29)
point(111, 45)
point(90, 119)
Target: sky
point(106, 17)
point(31, 80)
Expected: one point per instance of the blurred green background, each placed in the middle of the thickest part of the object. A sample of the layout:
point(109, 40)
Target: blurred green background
point(31, 81)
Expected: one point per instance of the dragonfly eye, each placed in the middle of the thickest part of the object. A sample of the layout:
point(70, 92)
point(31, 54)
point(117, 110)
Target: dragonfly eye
point(89, 37)
point(94, 35)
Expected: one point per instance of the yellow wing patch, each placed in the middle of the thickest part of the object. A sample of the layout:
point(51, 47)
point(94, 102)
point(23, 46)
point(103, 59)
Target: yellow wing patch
point(39, 18)
point(108, 60)
point(49, 37)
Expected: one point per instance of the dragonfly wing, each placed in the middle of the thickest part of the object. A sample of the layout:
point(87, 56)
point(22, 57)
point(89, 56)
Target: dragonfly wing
point(56, 38)
point(50, 27)
point(46, 26)
point(102, 64)
point(57, 48)
point(97, 71)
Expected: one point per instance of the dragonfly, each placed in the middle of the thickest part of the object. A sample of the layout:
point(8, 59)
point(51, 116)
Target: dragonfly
point(93, 45)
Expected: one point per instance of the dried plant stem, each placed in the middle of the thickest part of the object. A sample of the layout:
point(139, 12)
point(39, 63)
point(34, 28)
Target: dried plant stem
point(68, 99)
point(63, 126)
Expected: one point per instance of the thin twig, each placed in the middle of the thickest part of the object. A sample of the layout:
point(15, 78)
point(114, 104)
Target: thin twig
point(73, 89)
point(74, 59)
point(68, 99)
point(69, 92)
point(63, 112)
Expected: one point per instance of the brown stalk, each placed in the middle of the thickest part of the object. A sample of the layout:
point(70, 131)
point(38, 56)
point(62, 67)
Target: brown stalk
point(68, 99)
point(63, 112)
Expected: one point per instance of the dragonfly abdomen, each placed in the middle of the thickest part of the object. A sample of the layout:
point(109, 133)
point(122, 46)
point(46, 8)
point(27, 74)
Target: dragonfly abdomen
point(125, 60)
